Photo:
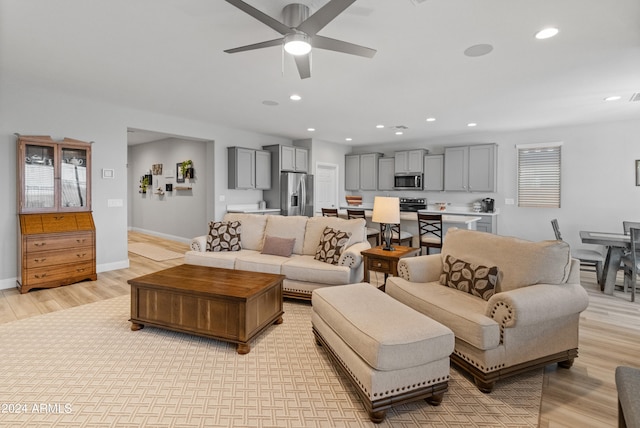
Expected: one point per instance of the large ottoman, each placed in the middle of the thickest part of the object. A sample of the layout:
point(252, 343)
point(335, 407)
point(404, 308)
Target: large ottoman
point(392, 353)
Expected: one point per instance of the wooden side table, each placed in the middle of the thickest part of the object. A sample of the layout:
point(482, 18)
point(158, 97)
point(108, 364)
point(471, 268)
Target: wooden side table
point(379, 260)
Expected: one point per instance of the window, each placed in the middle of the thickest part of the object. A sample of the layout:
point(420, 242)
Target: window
point(539, 175)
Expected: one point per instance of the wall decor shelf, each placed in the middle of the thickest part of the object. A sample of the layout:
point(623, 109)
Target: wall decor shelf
point(56, 232)
point(182, 188)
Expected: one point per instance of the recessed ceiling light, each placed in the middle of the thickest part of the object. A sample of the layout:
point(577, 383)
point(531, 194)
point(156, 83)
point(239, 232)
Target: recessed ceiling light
point(478, 50)
point(348, 139)
point(546, 33)
point(311, 129)
point(270, 103)
point(613, 98)
point(431, 119)
point(399, 132)
point(379, 126)
point(472, 124)
point(295, 97)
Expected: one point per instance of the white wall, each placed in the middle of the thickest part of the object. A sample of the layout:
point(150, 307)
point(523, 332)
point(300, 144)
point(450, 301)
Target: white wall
point(32, 110)
point(598, 178)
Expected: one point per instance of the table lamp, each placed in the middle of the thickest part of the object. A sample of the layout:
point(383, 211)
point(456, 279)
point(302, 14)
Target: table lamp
point(386, 210)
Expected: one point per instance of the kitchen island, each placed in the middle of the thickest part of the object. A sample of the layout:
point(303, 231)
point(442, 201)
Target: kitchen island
point(252, 209)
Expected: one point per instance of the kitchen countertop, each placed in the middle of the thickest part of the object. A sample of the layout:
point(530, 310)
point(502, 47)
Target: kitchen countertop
point(413, 216)
point(451, 210)
point(251, 209)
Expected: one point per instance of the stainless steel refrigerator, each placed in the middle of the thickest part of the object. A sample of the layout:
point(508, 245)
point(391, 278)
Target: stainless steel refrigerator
point(296, 194)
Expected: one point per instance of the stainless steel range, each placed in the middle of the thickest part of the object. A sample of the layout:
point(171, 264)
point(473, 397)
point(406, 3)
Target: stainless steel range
point(413, 204)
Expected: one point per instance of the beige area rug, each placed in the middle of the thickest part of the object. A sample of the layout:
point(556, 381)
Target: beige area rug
point(153, 252)
point(84, 367)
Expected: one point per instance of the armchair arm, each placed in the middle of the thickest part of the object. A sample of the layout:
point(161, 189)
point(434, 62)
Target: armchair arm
point(421, 269)
point(535, 303)
point(199, 243)
point(351, 257)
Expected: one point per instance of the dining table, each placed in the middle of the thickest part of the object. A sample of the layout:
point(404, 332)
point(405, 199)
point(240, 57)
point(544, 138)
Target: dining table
point(616, 244)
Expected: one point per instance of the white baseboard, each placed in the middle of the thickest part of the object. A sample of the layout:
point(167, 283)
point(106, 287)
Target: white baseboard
point(7, 283)
point(161, 235)
point(105, 267)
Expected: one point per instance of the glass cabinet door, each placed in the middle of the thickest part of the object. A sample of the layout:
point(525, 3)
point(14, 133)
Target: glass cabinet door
point(73, 177)
point(39, 177)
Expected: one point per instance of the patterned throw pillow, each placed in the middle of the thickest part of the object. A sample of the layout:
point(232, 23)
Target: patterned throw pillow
point(474, 279)
point(332, 243)
point(224, 236)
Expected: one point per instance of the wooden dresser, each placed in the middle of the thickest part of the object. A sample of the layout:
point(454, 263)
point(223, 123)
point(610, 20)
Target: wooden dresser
point(56, 249)
point(56, 233)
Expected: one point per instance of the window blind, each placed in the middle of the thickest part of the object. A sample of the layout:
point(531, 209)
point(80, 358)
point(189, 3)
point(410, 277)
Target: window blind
point(539, 175)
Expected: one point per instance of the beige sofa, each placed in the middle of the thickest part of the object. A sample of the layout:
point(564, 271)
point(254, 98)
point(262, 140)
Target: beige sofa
point(303, 273)
point(531, 320)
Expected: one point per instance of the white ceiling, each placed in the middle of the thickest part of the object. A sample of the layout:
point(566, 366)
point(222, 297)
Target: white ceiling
point(167, 56)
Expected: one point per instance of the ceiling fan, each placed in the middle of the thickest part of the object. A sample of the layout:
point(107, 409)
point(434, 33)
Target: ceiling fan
point(300, 32)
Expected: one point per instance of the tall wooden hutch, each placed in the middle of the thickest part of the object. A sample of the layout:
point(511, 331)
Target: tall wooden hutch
point(56, 233)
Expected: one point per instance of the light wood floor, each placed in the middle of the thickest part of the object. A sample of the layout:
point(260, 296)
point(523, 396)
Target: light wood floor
point(583, 396)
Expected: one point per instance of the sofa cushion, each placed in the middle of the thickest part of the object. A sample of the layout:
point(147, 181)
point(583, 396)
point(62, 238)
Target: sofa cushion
point(306, 268)
point(468, 277)
point(385, 333)
point(332, 244)
point(521, 262)
point(461, 312)
point(224, 236)
point(277, 246)
point(258, 262)
point(252, 228)
point(288, 227)
point(223, 259)
point(316, 225)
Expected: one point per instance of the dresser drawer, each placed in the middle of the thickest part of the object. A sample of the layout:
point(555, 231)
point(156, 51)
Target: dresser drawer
point(58, 257)
point(379, 265)
point(63, 274)
point(53, 242)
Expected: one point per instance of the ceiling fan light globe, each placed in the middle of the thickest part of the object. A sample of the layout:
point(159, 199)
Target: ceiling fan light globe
point(297, 44)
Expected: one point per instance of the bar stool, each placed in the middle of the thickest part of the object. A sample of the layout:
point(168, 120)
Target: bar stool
point(371, 232)
point(397, 235)
point(430, 229)
point(330, 212)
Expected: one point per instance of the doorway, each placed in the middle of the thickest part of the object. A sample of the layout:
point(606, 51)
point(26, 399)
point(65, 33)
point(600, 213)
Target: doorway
point(326, 186)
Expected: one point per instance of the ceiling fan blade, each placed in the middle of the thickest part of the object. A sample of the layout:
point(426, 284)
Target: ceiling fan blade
point(254, 46)
point(303, 62)
point(261, 16)
point(323, 16)
point(327, 43)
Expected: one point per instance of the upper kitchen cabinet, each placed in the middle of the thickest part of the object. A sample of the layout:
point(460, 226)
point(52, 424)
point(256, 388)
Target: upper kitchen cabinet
point(53, 176)
point(409, 161)
point(470, 168)
point(434, 173)
point(294, 159)
point(361, 171)
point(249, 168)
point(386, 169)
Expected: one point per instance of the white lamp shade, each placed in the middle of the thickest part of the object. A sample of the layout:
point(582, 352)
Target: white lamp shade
point(386, 210)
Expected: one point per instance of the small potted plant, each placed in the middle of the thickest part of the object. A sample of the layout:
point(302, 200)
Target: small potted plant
point(187, 169)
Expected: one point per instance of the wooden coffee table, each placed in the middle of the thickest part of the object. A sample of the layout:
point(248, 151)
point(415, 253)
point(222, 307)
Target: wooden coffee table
point(223, 304)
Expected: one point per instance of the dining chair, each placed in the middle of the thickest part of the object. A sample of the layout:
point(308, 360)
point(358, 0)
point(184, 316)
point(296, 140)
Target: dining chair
point(330, 212)
point(372, 232)
point(587, 257)
point(631, 262)
point(430, 229)
point(397, 235)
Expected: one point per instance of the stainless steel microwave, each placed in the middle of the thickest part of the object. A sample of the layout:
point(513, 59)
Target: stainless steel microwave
point(408, 182)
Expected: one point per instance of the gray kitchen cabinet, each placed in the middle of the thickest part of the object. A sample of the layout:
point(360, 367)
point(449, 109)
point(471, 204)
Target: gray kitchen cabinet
point(409, 161)
point(248, 168)
point(369, 171)
point(470, 168)
point(263, 170)
point(352, 172)
point(361, 171)
point(386, 171)
point(434, 173)
point(294, 159)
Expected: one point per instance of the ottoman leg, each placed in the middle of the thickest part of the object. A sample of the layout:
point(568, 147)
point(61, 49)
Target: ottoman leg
point(377, 417)
point(435, 399)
